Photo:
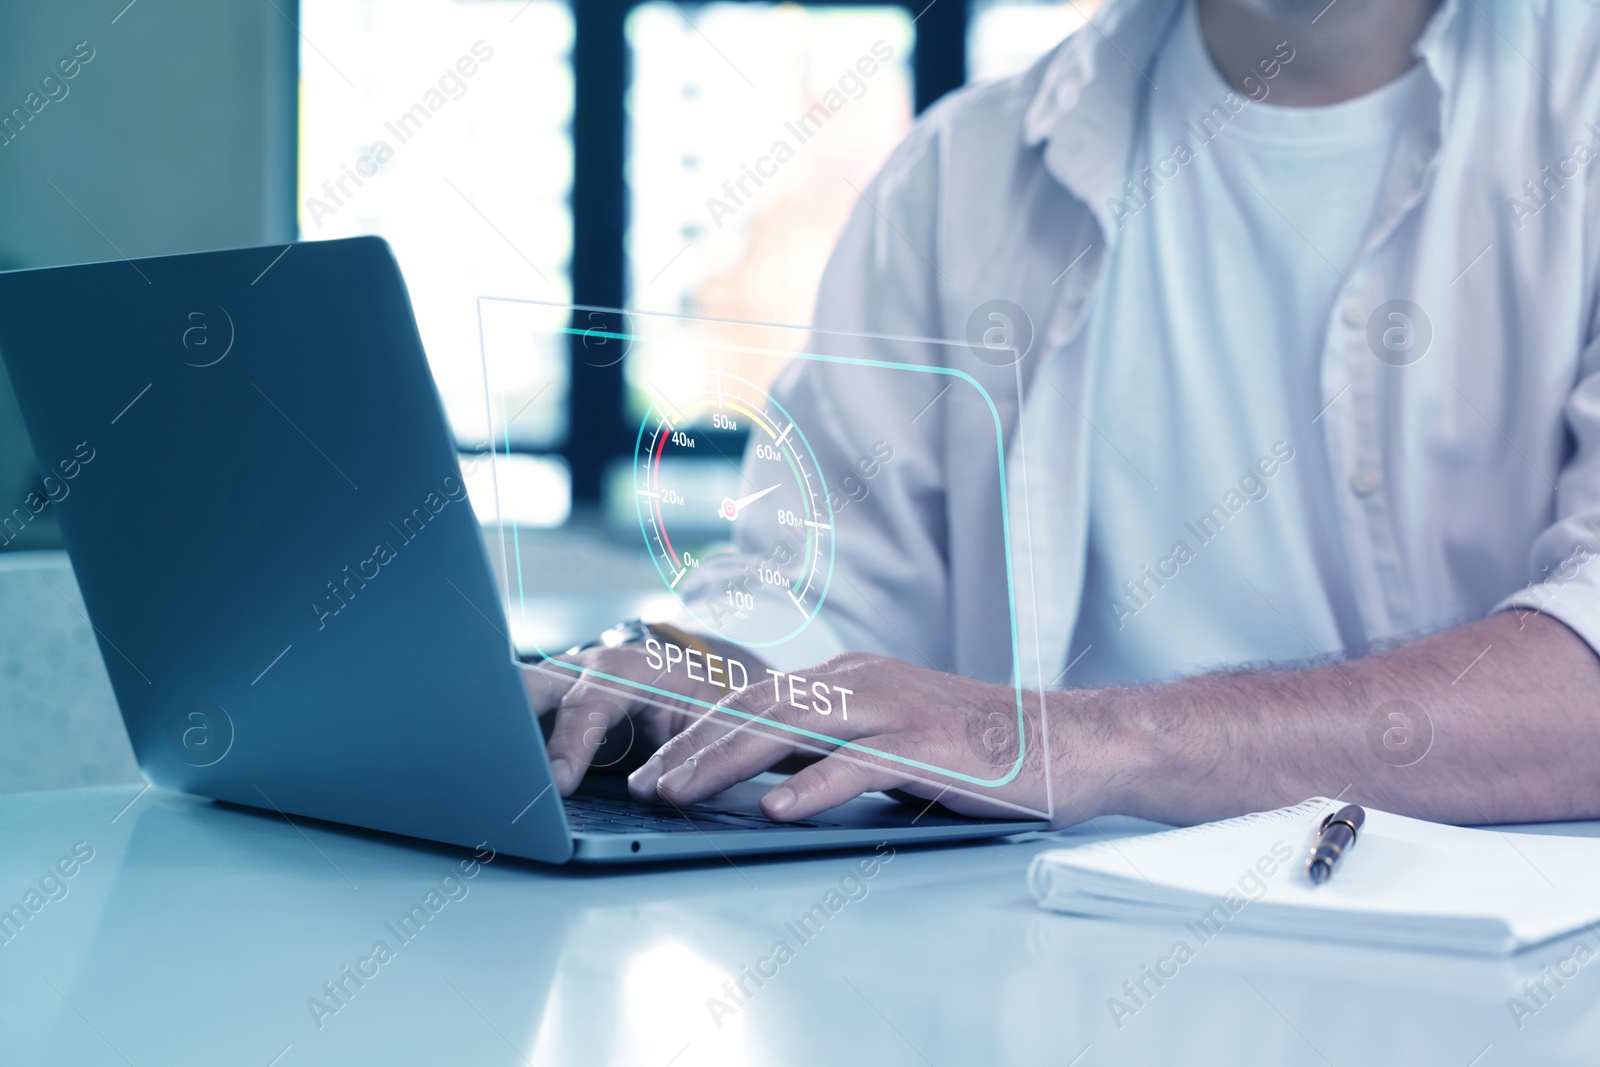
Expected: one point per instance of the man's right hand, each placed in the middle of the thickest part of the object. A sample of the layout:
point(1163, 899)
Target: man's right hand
point(598, 722)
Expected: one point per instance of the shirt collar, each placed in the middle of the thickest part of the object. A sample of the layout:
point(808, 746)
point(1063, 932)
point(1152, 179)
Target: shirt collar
point(1086, 109)
point(1438, 46)
point(1085, 112)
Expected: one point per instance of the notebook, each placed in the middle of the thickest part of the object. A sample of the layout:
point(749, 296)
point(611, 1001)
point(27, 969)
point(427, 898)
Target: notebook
point(1406, 882)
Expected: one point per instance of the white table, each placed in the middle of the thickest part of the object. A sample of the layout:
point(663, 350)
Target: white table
point(198, 933)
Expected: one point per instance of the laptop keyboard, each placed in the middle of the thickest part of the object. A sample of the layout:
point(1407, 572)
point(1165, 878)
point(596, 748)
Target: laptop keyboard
point(617, 815)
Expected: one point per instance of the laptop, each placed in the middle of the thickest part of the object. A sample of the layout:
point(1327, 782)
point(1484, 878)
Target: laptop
point(261, 498)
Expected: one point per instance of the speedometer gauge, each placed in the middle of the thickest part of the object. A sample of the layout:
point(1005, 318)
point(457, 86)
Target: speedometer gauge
point(777, 587)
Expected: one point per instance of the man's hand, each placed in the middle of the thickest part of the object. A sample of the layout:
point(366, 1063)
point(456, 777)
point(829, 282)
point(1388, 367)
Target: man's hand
point(925, 723)
point(1507, 704)
point(599, 722)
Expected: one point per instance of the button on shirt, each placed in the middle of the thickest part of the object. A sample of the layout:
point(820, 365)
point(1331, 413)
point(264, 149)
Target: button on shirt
point(1208, 480)
point(1455, 390)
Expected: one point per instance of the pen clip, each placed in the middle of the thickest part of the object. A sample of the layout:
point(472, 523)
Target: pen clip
point(1340, 817)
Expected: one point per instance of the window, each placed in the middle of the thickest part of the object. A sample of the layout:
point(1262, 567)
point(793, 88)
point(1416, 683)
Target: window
point(752, 128)
point(444, 127)
point(614, 153)
point(1006, 36)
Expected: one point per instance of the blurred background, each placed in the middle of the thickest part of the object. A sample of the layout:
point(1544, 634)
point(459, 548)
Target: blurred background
point(575, 162)
point(534, 149)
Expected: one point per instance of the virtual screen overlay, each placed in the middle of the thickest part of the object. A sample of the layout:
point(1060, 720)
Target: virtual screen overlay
point(783, 483)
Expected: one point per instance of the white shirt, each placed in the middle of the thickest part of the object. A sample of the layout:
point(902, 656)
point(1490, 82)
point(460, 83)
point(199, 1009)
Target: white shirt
point(1208, 480)
point(1466, 480)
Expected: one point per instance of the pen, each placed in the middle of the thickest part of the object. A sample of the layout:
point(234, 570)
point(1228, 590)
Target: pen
point(1335, 836)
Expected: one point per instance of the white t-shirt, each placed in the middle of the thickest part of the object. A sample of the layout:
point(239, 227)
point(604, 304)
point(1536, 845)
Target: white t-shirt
point(1209, 480)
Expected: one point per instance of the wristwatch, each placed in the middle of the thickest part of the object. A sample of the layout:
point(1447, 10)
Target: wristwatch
point(626, 632)
point(637, 631)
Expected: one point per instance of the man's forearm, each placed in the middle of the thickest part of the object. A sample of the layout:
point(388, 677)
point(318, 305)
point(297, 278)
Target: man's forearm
point(1512, 704)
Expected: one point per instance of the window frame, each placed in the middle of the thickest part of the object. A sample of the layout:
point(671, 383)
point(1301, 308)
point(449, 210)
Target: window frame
point(598, 429)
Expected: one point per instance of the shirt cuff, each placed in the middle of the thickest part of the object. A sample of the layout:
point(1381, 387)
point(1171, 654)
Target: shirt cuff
point(1571, 597)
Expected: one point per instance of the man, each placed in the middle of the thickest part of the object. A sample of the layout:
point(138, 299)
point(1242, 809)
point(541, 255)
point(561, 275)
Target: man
point(1312, 289)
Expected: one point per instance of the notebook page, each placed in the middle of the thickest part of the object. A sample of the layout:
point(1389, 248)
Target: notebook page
point(1206, 860)
point(1404, 870)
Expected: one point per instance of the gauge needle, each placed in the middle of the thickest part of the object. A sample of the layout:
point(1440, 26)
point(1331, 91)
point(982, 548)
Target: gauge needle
point(730, 507)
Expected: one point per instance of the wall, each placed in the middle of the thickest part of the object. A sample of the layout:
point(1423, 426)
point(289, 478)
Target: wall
point(177, 136)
